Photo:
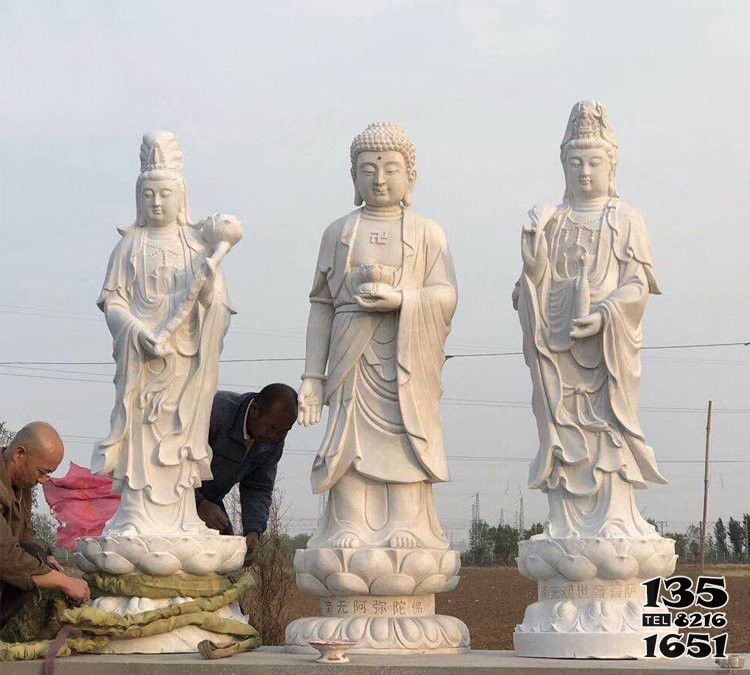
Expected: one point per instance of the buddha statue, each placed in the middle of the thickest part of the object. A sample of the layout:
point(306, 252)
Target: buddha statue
point(382, 299)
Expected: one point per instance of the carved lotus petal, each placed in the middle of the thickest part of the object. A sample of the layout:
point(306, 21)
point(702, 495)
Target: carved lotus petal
point(160, 564)
point(658, 565)
point(185, 548)
point(203, 563)
point(327, 629)
point(158, 544)
point(619, 567)
point(632, 615)
point(590, 617)
point(450, 563)
point(435, 583)
point(369, 564)
point(621, 545)
point(576, 567)
point(565, 616)
point(346, 583)
point(599, 550)
point(451, 584)
point(356, 628)
point(83, 563)
point(131, 548)
point(574, 546)
point(392, 584)
point(380, 629)
point(233, 562)
point(664, 546)
point(535, 567)
point(549, 550)
point(452, 629)
point(641, 550)
point(307, 583)
point(411, 633)
point(533, 619)
point(322, 562)
point(419, 565)
point(611, 619)
point(113, 563)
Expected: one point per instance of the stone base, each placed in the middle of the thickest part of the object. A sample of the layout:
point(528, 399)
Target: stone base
point(434, 634)
point(182, 640)
point(590, 596)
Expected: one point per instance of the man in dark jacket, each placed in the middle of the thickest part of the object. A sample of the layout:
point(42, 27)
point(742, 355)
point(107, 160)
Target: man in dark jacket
point(246, 436)
point(26, 563)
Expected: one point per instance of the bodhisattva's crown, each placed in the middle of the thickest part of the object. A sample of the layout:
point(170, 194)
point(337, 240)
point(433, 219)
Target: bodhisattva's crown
point(589, 121)
point(161, 151)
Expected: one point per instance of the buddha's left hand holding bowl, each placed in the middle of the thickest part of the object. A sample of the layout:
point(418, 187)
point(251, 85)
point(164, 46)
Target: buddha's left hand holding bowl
point(378, 297)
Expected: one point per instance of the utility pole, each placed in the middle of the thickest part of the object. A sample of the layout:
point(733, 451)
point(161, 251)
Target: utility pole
point(502, 517)
point(705, 486)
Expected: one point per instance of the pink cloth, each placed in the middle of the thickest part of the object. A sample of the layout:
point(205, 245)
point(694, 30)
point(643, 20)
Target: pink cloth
point(81, 502)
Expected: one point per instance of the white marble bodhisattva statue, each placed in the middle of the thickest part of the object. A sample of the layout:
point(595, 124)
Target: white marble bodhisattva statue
point(587, 275)
point(166, 305)
point(383, 296)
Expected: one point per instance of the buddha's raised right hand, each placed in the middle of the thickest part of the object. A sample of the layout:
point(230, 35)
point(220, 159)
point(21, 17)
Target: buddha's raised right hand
point(310, 401)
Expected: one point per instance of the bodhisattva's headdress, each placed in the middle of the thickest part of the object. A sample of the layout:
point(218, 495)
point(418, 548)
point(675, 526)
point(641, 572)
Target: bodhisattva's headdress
point(162, 159)
point(381, 137)
point(589, 127)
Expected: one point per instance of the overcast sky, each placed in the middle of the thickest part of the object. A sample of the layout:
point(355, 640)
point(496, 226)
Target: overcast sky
point(265, 99)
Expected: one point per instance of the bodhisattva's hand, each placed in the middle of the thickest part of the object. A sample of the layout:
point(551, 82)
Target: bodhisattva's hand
point(532, 260)
point(587, 326)
point(154, 345)
point(213, 515)
point(252, 541)
point(378, 297)
point(310, 401)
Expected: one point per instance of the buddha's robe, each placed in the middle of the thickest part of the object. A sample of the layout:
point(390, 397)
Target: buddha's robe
point(158, 443)
point(383, 378)
point(585, 391)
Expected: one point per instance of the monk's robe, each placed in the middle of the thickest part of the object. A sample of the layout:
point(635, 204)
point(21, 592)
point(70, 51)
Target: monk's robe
point(383, 379)
point(585, 391)
point(157, 449)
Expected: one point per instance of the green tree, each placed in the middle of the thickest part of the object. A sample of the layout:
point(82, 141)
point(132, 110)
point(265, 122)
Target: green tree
point(720, 536)
point(737, 536)
point(506, 544)
point(481, 538)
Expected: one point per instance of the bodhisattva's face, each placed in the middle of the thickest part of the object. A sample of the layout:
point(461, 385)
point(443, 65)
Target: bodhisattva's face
point(587, 173)
point(381, 178)
point(160, 201)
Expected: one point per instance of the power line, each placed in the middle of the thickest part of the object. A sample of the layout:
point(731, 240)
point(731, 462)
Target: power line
point(458, 402)
point(702, 345)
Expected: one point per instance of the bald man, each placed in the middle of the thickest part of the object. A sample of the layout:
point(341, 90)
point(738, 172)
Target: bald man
point(25, 562)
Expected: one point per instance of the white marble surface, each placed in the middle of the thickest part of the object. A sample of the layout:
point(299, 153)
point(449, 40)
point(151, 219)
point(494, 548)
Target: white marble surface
point(383, 296)
point(587, 275)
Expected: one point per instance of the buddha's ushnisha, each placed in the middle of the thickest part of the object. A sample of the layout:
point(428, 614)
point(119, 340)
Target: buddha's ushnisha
point(383, 296)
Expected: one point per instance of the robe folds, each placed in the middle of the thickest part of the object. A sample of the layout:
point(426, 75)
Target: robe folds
point(383, 378)
point(158, 440)
point(585, 393)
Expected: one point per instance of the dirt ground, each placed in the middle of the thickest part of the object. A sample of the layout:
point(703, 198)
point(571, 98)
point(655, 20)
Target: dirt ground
point(491, 601)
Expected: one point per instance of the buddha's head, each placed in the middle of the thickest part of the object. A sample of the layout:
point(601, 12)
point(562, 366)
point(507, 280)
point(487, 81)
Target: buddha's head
point(160, 191)
point(384, 168)
point(589, 153)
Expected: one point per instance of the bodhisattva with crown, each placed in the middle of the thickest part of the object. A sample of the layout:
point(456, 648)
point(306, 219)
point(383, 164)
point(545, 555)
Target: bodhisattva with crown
point(382, 300)
point(166, 305)
point(587, 275)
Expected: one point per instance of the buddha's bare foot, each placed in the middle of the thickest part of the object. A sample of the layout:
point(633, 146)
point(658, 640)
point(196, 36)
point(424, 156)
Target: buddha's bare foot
point(346, 540)
point(403, 539)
